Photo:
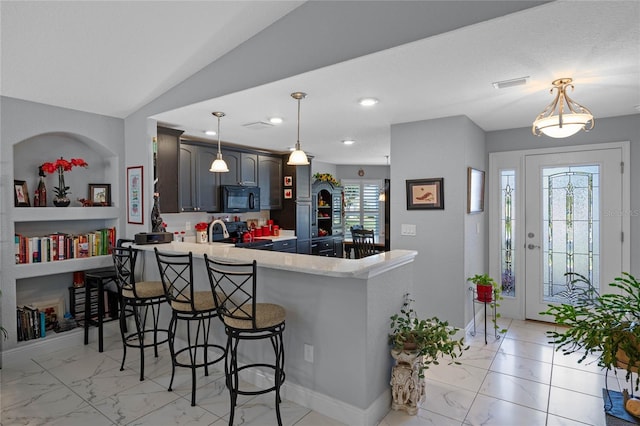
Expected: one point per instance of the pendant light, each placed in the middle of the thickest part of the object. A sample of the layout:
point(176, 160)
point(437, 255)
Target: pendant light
point(298, 157)
point(563, 117)
point(218, 165)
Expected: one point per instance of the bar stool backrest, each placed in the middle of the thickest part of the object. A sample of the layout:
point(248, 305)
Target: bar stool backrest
point(363, 242)
point(234, 288)
point(124, 260)
point(176, 273)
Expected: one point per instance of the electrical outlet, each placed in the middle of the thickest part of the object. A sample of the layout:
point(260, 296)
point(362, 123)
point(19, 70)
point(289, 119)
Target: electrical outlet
point(187, 226)
point(308, 353)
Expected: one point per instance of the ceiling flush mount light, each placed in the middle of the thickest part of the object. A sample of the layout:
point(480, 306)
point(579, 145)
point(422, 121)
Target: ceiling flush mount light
point(563, 117)
point(298, 157)
point(348, 141)
point(210, 132)
point(218, 165)
point(368, 101)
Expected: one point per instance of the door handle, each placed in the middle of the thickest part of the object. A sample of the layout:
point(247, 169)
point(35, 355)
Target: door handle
point(532, 246)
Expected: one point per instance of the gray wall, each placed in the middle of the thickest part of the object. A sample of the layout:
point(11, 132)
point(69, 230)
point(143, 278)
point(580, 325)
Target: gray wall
point(432, 149)
point(615, 129)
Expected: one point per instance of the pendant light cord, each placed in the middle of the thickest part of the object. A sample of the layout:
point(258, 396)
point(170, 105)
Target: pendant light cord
point(298, 142)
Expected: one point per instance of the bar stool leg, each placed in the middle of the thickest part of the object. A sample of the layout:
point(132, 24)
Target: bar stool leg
point(136, 316)
point(172, 332)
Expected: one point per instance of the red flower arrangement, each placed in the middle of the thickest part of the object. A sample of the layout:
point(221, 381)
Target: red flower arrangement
point(61, 165)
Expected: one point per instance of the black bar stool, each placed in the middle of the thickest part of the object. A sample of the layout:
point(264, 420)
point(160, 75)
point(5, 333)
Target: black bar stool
point(234, 288)
point(187, 304)
point(101, 279)
point(137, 299)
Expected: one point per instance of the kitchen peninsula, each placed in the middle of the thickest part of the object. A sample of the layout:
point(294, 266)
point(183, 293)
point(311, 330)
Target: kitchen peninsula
point(337, 322)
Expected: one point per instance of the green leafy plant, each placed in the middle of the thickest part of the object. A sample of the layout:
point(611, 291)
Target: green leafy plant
point(431, 338)
point(486, 280)
point(606, 326)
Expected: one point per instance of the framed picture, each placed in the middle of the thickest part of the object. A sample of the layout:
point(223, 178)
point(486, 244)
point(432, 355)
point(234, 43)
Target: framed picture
point(100, 194)
point(288, 193)
point(53, 309)
point(135, 195)
point(288, 180)
point(425, 194)
point(475, 190)
point(20, 194)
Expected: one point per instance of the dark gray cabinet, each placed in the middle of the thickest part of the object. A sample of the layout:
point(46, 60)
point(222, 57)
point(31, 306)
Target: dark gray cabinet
point(296, 211)
point(270, 182)
point(243, 168)
point(286, 246)
point(167, 170)
point(327, 246)
point(198, 186)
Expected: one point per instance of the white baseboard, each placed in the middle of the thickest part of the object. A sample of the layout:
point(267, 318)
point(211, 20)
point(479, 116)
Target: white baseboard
point(322, 403)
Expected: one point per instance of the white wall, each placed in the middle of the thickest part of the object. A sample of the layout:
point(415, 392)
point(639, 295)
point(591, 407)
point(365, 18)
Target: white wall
point(433, 149)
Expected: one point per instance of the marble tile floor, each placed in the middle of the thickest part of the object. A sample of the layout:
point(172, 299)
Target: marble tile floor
point(517, 380)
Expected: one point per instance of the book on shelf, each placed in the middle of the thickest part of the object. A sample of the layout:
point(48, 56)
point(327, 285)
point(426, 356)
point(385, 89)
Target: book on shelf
point(62, 246)
point(30, 323)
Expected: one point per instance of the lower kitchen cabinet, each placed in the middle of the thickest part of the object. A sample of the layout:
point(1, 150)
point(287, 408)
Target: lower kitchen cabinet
point(328, 246)
point(286, 246)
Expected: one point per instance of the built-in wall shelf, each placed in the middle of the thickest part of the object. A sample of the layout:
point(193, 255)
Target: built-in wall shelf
point(41, 214)
point(29, 270)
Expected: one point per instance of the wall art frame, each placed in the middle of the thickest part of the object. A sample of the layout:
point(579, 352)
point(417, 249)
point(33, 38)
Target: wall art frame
point(425, 194)
point(475, 190)
point(20, 194)
point(135, 195)
point(100, 194)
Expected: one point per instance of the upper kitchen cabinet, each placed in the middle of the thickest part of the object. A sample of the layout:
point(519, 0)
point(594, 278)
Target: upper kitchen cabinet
point(166, 169)
point(243, 168)
point(270, 182)
point(198, 186)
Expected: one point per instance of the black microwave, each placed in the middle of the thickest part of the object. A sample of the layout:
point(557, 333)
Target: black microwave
point(240, 199)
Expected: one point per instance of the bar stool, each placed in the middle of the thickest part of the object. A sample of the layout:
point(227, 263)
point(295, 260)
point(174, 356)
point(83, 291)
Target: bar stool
point(187, 304)
point(102, 279)
point(234, 288)
point(137, 298)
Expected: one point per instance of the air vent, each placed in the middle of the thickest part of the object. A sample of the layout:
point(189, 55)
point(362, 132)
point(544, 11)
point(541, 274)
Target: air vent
point(258, 125)
point(521, 81)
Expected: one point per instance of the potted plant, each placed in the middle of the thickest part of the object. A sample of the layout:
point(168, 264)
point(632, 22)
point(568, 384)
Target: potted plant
point(415, 344)
point(485, 286)
point(488, 291)
point(606, 326)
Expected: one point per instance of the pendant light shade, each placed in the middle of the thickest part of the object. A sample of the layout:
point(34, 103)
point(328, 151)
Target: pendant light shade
point(298, 157)
point(218, 165)
point(563, 117)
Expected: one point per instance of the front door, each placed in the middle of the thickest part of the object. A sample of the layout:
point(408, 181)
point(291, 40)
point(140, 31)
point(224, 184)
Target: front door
point(572, 223)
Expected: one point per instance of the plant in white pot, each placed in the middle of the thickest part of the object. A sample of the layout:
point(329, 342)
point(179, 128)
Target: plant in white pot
point(415, 344)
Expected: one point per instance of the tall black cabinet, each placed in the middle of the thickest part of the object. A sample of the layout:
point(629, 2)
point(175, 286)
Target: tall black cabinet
point(296, 211)
point(327, 220)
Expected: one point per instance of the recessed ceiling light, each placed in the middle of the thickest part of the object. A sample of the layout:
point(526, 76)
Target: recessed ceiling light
point(275, 120)
point(348, 141)
point(368, 101)
point(292, 148)
point(210, 132)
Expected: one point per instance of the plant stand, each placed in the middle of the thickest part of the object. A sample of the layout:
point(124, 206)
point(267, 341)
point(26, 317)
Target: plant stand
point(407, 388)
point(474, 300)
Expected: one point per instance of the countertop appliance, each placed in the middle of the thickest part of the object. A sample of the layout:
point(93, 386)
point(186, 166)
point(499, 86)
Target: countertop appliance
point(240, 199)
point(153, 237)
point(236, 230)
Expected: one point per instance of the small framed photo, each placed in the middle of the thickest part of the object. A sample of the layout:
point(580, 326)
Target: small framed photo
point(425, 194)
point(20, 194)
point(100, 194)
point(475, 190)
point(288, 180)
point(288, 193)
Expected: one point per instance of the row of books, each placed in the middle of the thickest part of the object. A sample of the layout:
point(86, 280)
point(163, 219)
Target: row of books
point(31, 323)
point(61, 246)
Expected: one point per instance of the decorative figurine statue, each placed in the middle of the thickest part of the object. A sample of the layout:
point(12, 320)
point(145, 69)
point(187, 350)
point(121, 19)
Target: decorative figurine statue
point(156, 221)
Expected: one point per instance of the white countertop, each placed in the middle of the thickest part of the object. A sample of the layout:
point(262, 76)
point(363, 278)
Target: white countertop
point(303, 263)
